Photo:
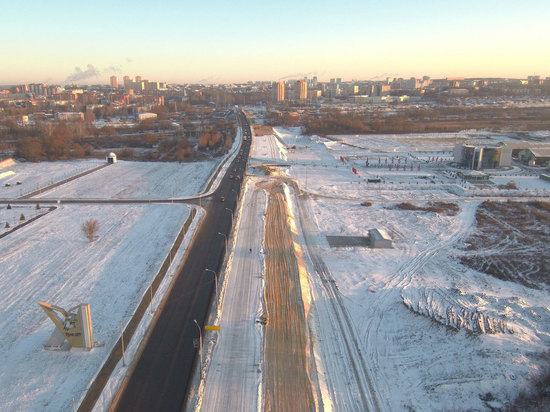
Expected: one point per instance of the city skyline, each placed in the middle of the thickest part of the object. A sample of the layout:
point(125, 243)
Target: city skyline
point(219, 42)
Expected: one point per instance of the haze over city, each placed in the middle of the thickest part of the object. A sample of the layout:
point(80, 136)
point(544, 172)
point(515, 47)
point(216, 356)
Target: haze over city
point(221, 42)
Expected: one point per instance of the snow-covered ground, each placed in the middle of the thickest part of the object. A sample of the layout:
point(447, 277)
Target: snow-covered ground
point(34, 176)
point(403, 303)
point(50, 260)
point(122, 180)
point(416, 311)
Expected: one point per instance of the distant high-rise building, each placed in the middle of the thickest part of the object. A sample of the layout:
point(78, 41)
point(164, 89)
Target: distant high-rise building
point(114, 82)
point(534, 80)
point(278, 91)
point(300, 90)
point(127, 82)
point(138, 79)
point(138, 86)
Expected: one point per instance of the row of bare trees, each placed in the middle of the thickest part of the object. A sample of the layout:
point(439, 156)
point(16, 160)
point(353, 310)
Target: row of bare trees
point(56, 144)
point(411, 120)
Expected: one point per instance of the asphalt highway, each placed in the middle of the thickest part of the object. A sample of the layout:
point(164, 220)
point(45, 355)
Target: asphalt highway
point(160, 377)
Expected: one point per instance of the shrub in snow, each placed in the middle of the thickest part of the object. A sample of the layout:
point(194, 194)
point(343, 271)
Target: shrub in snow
point(90, 228)
point(22, 217)
point(7, 225)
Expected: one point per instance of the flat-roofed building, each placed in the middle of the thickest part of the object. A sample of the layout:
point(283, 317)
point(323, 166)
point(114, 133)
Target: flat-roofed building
point(69, 116)
point(477, 157)
point(146, 115)
point(379, 239)
point(535, 156)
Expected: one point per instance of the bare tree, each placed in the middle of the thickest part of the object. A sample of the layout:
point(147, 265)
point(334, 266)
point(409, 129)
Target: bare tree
point(90, 228)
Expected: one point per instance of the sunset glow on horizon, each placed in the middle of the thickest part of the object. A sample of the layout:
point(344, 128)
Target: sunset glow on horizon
point(218, 42)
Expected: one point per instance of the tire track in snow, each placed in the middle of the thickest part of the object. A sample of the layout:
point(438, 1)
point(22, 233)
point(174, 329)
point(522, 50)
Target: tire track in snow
point(403, 277)
point(366, 388)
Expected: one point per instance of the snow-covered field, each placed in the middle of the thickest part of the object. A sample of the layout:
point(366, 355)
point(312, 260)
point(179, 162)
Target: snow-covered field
point(416, 310)
point(50, 260)
point(122, 180)
point(34, 176)
point(130, 180)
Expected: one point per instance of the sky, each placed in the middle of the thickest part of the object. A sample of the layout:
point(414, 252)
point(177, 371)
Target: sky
point(219, 41)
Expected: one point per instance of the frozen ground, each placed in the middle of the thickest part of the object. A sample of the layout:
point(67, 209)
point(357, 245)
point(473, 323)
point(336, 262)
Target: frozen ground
point(122, 180)
point(129, 180)
point(415, 307)
point(50, 260)
point(403, 303)
point(33, 176)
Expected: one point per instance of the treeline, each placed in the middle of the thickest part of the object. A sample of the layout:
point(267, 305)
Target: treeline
point(61, 144)
point(413, 120)
point(54, 144)
point(151, 139)
point(335, 124)
point(221, 138)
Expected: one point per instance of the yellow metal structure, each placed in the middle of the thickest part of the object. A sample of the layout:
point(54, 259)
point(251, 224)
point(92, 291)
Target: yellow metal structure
point(75, 325)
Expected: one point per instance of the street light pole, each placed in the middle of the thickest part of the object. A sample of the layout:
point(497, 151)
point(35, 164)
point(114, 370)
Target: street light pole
point(200, 345)
point(225, 236)
point(230, 214)
point(215, 283)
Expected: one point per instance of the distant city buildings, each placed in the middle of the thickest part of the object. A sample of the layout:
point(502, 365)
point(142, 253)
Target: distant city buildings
point(127, 82)
point(69, 116)
point(300, 90)
point(278, 91)
point(143, 116)
point(140, 85)
point(136, 91)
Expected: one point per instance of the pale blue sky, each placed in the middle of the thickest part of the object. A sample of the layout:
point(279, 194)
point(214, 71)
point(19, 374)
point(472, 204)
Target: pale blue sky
point(224, 41)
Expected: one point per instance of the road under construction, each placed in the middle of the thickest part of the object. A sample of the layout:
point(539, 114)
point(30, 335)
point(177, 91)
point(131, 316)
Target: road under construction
point(287, 385)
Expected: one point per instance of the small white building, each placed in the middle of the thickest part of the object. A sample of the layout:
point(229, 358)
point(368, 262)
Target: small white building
point(111, 158)
point(146, 115)
point(379, 239)
point(69, 116)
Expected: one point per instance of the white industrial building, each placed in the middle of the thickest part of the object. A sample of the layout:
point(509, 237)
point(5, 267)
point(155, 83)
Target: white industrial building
point(146, 115)
point(475, 157)
point(379, 239)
